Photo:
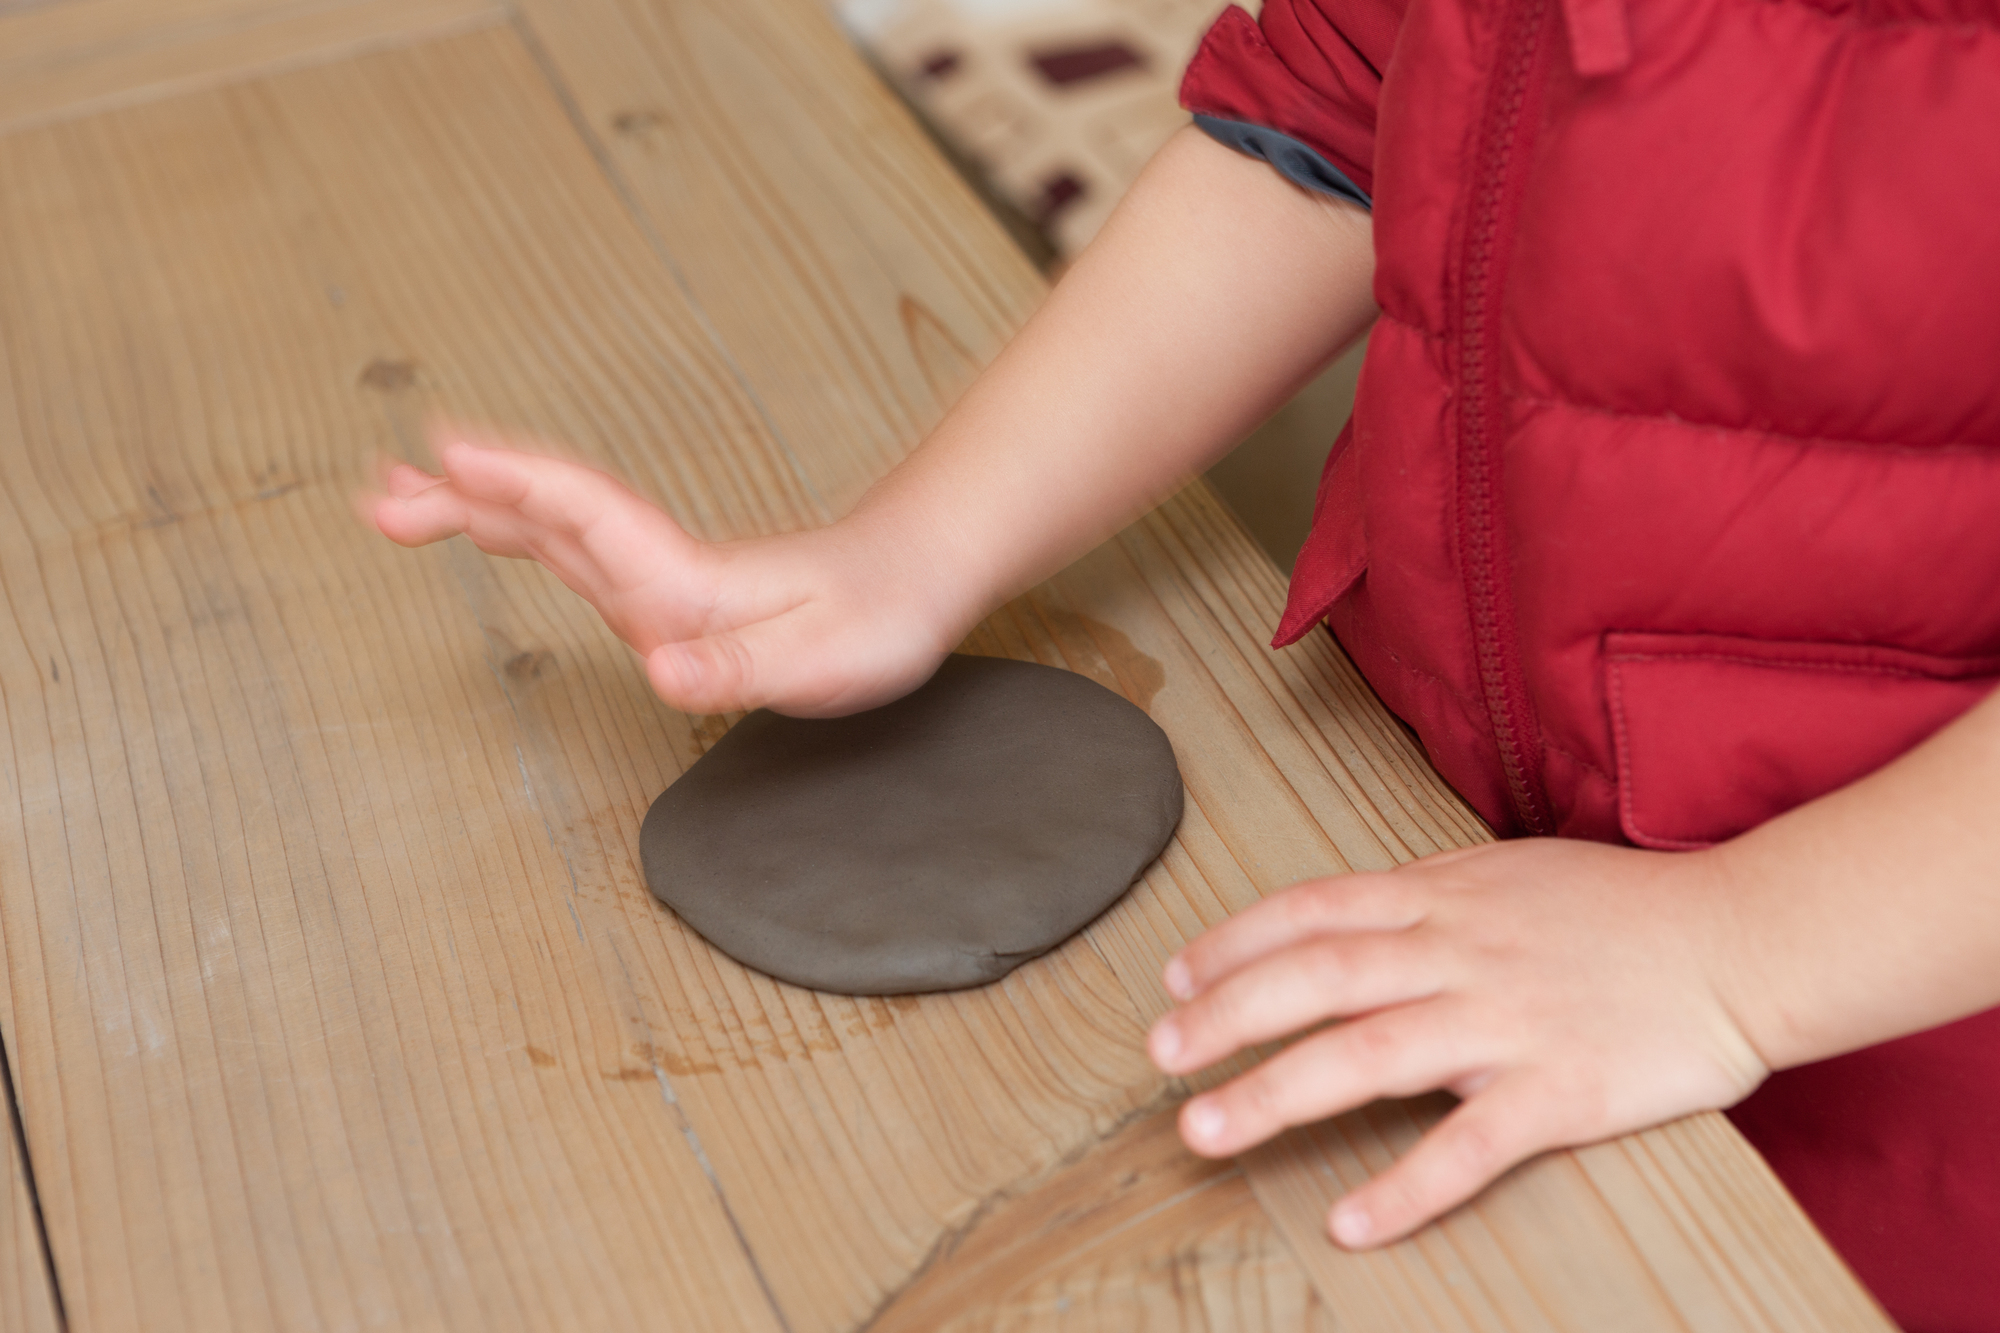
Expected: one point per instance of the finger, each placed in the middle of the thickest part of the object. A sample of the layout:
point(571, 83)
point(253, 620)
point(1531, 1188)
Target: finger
point(777, 663)
point(616, 529)
point(1293, 988)
point(551, 491)
point(393, 480)
point(443, 511)
point(403, 481)
point(420, 519)
point(765, 664)
point(1396, 1053)
point(1348, 902)
point(716, 674)
point(1469, 1149)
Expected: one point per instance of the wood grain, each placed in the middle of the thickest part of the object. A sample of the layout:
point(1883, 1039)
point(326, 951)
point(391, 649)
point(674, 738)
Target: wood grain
point(338, 995)
point(334, 994)
point(308, 1031)
point(1135, 1233)
point(61, 58)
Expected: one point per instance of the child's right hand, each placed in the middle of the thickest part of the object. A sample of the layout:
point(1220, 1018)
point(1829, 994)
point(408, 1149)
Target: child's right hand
point(1159, 349)
point(814, 624)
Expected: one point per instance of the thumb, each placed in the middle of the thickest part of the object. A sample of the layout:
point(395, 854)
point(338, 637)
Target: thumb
point(782, 665)
point(716, 674)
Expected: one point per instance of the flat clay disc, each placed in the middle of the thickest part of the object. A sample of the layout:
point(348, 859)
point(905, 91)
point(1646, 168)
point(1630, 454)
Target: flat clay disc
point(937, 842)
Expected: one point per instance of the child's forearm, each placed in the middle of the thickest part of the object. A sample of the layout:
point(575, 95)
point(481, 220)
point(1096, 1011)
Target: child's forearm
point(1875, 910)
point(1216, 290)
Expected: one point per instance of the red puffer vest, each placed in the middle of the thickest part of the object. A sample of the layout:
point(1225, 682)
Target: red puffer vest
point(1672, 494)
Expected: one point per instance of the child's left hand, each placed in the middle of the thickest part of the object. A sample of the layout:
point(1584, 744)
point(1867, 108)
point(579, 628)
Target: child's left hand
point(1567, 991)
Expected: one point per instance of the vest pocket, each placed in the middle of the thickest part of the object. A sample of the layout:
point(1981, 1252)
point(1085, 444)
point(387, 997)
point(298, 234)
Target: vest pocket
point(1715, 733)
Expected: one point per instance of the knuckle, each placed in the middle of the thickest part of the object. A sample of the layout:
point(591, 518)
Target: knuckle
point(1401, 1198)
point(1194, 956)
point(1375, 956)
point(1218, 1015)
point(733, 663)
point(1323, 964)
point(1474, 1150)
point(1584, 1097)
point(1389, 896)
point(1312, 902)
point(1384, 896)
point(1257, 1099)
point(1371, 1045)
point(1295, 908)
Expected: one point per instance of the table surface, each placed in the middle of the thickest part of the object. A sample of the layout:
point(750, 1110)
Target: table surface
point(333, 997)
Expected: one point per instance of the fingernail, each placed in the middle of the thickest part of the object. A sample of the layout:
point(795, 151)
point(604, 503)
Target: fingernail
point(1351, 1226)
point(1180, 981)
point(1166, 1042)
point(1205, 1121)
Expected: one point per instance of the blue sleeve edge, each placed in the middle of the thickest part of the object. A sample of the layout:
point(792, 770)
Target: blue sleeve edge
point(1297, 162)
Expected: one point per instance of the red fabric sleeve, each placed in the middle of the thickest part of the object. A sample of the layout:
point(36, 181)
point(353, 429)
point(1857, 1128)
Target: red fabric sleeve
point(1310, 69)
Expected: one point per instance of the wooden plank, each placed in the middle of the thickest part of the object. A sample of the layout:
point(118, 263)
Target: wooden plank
point(338, 994)
point(67, 57)
point(858, 287)
point(27, 1303)
point(769, 1078)
point(307, 1031)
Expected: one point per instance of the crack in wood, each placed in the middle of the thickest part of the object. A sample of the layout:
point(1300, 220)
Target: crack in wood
point(19, 1125)
point(952, 1240)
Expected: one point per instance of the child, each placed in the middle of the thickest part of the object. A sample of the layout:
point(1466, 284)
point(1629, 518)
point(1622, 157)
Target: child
point(1665, 518)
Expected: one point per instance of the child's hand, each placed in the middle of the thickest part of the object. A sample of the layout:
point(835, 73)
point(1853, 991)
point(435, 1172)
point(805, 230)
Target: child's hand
point(1157, 351)
point(1568, 991)
point(814, 624)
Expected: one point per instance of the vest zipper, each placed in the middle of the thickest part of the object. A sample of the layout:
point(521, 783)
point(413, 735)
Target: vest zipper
point(1501, 162)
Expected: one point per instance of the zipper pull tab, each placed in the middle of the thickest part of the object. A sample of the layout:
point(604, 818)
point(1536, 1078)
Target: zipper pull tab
point(1600, 36)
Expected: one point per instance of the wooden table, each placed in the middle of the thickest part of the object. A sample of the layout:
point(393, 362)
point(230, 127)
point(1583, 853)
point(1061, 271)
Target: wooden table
point(333, 997)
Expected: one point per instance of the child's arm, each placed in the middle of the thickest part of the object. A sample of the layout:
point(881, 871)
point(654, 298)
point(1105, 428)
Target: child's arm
point(1215, 291)
point(1571, 991)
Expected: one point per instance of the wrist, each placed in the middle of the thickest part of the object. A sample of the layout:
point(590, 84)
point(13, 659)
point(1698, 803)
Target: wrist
point(917, 565)
point(1750, 979)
